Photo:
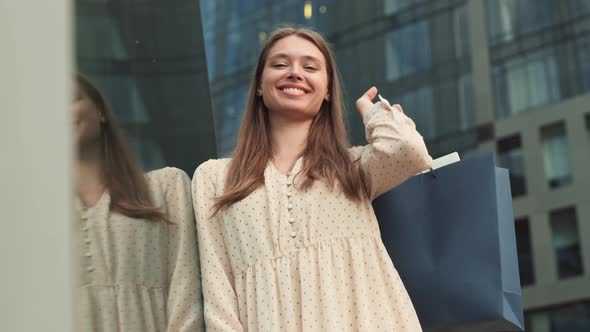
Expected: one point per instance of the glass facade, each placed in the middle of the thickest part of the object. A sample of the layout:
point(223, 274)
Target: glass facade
point(148, 59)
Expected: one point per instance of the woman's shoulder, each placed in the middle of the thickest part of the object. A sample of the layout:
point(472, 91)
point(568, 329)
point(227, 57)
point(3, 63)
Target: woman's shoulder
point(212, 168)
point(167, 174)
point(168, 179)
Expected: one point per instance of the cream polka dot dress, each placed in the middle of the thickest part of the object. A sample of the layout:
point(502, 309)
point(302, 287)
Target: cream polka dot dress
point(284, 259)
point(140, 275)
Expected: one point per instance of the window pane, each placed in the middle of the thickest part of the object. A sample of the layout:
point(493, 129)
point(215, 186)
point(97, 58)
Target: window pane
point(566, 242)
point(555, 155)
point(466, 102)
point(518, 85)
point(147, 150)
point(403, 54)
point(532, 15)
point(510, 156)
point(574, 317)
point(525, 253)
point(501, 17)
point(500, 91)
point(579, 7)
point(528, 81)
point(584, 62)
point(570, 317)
point(461, 32)
point(419, 106)
point(510, 18)
point(125, 99)
point(392, 6)
point(542, 78)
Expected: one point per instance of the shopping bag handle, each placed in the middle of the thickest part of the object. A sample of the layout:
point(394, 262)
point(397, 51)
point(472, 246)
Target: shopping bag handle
point(442, 162)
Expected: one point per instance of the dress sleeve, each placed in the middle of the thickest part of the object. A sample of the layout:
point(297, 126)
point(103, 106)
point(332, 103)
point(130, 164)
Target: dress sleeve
point(219, 294)
point(396, 151)
point(184, 302)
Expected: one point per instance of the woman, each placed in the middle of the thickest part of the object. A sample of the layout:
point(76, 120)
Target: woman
point(287, 236)
point(137, 241)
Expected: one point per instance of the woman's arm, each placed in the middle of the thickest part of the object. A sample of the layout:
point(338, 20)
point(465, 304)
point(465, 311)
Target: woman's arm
point(184, 304)
point(396, 151)
point(220, 299)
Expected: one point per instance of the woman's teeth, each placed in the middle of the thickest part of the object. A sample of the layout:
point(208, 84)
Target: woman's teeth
point(294, 91)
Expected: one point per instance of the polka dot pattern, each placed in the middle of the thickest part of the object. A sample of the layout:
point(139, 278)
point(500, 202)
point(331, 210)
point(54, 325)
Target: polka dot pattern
point(141, 275)
point(284, 259)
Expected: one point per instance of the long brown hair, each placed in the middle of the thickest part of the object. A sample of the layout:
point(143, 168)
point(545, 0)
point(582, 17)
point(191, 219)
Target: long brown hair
point(326, 155)
point(124, 179)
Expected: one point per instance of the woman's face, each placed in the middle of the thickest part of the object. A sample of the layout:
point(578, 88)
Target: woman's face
point(87, 119)
point(294, 80)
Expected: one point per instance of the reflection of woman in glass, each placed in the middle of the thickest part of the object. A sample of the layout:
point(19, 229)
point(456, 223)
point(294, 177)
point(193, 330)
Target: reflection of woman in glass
point(287, 235)
point(137, 242)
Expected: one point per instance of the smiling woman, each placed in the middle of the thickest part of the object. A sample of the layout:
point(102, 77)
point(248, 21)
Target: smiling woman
point(288, 240)
point(295, 79)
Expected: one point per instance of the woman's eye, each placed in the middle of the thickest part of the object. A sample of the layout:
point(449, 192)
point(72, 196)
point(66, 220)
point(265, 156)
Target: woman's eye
point(310, 68)
point(279, 65)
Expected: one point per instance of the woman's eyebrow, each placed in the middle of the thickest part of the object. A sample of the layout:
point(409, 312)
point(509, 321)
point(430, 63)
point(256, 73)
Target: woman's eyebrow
point(279, 56)
point(285, 56)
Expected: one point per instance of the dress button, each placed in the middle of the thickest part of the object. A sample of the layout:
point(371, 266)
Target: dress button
point(289, 193)
point(90, 269)
point(88, 254)
point(293, 234)
point(87, 240)
point(85, 218)
point(290, 206)
point(291, 220)
point(85, 228)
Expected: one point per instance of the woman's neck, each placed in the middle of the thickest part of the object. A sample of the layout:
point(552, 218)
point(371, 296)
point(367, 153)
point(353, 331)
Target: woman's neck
point(90, 184)
point(289, 139)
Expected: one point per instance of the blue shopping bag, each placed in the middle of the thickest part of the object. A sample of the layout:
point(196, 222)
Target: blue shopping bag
point(450, 234)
